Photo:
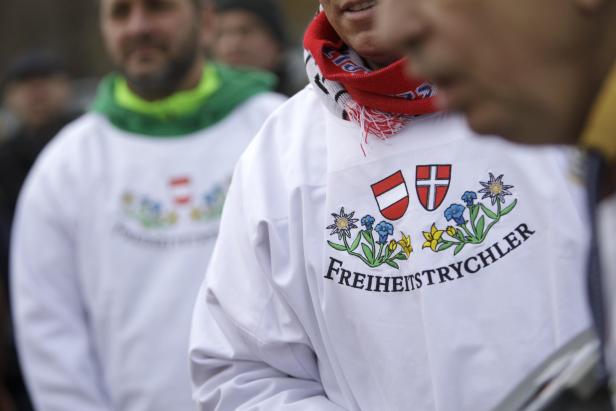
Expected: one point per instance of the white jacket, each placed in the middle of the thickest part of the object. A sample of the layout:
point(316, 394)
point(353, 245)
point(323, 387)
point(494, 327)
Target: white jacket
point(297, 315)
point(111, 241)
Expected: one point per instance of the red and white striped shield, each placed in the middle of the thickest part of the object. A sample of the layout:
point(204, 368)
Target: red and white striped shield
point(181, 190)
point(392, 196)
point(432, 184)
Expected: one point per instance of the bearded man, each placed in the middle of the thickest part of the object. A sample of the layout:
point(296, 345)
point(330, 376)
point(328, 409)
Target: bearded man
point(375, 254)
point(119, 216)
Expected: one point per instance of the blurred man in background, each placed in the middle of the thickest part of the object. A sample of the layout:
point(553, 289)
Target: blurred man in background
point(253, 34)
point(38, 94)
point(118, 218)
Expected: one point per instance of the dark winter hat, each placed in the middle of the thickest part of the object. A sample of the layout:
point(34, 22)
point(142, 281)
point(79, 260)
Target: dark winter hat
point(33, 64)
point(269, 11)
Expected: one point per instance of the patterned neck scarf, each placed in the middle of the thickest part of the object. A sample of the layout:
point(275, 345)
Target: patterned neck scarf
point(381, 102)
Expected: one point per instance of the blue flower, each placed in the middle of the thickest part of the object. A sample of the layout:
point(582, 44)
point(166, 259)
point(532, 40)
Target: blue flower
point(469, 197)
point(150, 206)
point(384, 229)
point(455, 212)
point(367, 221)
point(210, 199)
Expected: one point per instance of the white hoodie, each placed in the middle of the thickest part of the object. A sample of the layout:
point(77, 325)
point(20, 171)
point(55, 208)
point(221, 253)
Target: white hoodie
point(299, 312)
point(111, 241)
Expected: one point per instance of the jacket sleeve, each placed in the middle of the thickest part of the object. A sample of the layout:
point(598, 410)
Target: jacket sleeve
point(248, 348)
point(53, 337)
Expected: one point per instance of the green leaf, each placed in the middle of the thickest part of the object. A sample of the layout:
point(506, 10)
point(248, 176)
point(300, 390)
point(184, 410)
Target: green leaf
point(389, 251)
point(368, 237)
point(474, 212)
point(509, 208)
point(335, 246)
point(460, 235)
point(368, 253)
point(401, 256)
point(392, 264)
point(356, 243)
point(489, 212)
point(459, 248)
point(444, 246)
point(480, 227)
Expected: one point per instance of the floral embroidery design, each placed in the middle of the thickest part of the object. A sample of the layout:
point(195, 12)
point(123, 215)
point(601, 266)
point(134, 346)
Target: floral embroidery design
point(149, 213)
point(211, 205)
point(472, 221)
point(371, 244)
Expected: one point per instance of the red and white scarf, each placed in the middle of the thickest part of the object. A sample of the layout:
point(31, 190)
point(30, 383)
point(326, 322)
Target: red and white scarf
point(381, 102)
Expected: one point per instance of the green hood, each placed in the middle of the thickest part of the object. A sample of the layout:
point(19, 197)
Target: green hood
point(221, 90)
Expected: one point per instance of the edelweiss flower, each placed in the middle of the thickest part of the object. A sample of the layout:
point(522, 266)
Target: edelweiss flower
point(405, 243)
point(495, 189)
point(433, 238)
point(128, 199)
point(343, 223)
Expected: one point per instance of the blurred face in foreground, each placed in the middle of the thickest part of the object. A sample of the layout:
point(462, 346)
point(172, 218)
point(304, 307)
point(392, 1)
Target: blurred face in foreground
point(354, 21)
point(156, 44)
point(242, 39)
point(524, 69)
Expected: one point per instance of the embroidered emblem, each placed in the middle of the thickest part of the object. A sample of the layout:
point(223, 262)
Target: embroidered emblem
point(392, 196)
point(432, 184)
point(181, 205)
point(373, 253)
point(479, 215)
point(148, 212)
point(211, 204)
point(181, 190)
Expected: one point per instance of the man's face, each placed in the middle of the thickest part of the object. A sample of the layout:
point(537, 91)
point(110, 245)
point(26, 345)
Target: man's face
point(354, 21)
point(38, 101)
point(153, 42)
point(515, 68)
point(243, 40)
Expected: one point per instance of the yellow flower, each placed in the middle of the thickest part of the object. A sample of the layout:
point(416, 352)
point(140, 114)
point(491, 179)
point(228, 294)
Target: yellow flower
point(405, 243)
point(195, 214)
point(433, 238)
point(451, 231)
point(392, 246)
point(172, 217)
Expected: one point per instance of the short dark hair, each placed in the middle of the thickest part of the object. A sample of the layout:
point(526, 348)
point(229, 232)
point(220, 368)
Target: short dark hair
point(34, 64)
point(269, 12)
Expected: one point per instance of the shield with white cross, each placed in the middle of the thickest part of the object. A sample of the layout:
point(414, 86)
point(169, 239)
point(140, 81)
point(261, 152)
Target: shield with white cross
point(432, 183)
